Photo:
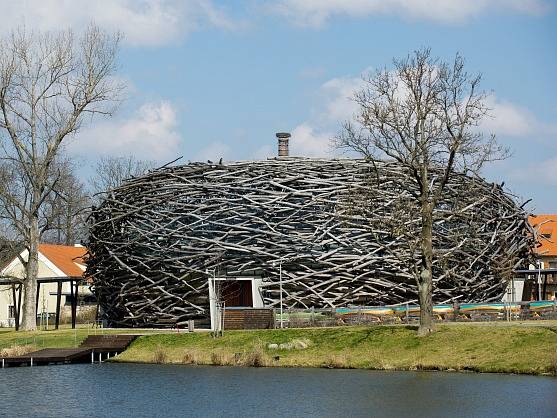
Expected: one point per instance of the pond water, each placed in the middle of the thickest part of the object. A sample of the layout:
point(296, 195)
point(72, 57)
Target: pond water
point(134, 390)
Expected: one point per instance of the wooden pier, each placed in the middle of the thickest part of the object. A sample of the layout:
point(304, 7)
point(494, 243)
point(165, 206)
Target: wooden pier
point(95, 348)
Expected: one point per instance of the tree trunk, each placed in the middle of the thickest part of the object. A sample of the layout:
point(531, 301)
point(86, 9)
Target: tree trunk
point(29, 321)
point(425, 280)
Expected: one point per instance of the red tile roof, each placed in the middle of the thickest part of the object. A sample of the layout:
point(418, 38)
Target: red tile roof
point(547, 231)
point(65, 257)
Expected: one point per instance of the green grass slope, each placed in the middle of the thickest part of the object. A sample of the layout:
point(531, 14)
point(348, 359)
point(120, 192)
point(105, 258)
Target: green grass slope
point(508, 349)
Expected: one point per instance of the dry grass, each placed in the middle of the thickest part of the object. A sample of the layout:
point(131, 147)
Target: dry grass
point(84, 315)
point(255, 359)
point(17, 350)
point(336, 362)
point(159, 355)
point(217, 359)
point(518, 349)
point(554, 365)
point(189, 357)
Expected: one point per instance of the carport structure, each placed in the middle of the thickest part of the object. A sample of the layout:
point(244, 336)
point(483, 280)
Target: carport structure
point(17, 291)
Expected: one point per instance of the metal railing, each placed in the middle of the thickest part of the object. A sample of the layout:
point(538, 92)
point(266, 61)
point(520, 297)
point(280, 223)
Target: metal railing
point(410, 313)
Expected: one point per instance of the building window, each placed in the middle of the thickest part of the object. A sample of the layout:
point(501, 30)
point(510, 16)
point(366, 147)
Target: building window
point(11, 311)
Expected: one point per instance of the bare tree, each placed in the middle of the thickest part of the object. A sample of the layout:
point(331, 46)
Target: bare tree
point(67, 208)
point(50, 84)
point(62, 216)
point(110, 172)
point(424, 114)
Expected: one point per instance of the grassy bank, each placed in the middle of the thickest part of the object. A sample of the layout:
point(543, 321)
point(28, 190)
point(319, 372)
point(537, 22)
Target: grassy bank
point(65, 337)
point(481, 348)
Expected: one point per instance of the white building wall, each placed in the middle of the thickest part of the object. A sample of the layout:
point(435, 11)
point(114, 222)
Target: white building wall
point(514, 291)
point(46, 300)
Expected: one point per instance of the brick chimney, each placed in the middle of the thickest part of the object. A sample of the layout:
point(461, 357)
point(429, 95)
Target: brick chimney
point(283, 143)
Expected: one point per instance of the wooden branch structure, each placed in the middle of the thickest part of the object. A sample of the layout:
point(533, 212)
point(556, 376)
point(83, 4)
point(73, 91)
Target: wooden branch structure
point(342, 231)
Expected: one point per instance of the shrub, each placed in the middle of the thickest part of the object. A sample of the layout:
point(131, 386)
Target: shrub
point(335, 362)
point(255, 359)
point(553, 367)
point(217, 358)
point(159, 355)
point(189, 358)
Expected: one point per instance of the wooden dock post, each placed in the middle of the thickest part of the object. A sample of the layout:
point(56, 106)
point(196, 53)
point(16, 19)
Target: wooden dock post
point(92, 344)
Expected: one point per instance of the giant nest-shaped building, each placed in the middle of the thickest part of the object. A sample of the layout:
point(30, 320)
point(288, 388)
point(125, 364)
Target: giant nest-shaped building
point(333, 232)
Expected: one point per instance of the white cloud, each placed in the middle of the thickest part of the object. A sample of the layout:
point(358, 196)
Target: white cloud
point(151, 133)
point(505, 118)
point(143, 22)
point(266, 151)
point(338, 94)
point(315, 13)
point(512, 120)
point(313, 137)
point(214, 152)
point(308, 141)
point(508, 119)
point(336, 105)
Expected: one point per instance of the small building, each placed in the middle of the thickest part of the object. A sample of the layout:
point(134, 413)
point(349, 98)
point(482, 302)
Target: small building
point(57, 263)
point(544, 287)
point(292, 233)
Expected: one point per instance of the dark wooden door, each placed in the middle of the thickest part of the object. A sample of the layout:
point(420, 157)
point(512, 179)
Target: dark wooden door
point(237, 293)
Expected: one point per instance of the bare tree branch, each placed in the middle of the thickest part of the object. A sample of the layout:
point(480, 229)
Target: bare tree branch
point(49, 82)
point(424, 114)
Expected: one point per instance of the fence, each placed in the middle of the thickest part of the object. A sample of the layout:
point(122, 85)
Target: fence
point(410, 314)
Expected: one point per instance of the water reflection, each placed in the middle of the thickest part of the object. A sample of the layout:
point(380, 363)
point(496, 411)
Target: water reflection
point(151, 390)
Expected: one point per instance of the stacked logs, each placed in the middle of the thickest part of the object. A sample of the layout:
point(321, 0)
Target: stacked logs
point(342, 232)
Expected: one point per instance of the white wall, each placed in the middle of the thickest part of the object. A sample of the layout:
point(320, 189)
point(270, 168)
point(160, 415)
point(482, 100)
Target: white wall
point(46, 300)
point(514, 291)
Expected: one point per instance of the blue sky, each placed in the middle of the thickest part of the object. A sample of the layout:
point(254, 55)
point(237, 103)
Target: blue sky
point(209, 79)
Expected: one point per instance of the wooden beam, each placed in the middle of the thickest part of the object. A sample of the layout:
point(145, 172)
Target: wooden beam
point(19, 295)
point(16, 307)
point(58, 301)
point(73, 303)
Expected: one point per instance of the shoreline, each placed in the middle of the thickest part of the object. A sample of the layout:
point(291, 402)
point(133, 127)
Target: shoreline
point(510, 348)
point(432, 370)
point(520, 349)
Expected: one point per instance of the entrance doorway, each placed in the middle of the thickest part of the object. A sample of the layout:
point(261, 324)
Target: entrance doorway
point(237, 293)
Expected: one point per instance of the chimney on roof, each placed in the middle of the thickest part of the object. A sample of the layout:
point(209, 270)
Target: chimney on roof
point(283, 143)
